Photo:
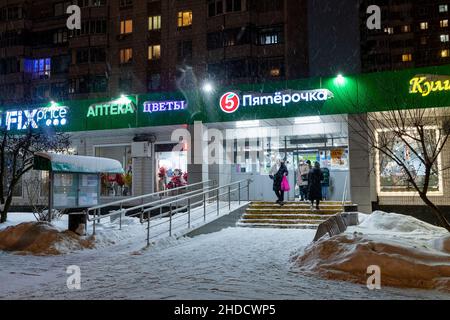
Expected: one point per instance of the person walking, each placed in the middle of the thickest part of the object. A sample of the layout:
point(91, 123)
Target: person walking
point(315, 177)
point(325, 183)
point(277, 178)
point(302, 180)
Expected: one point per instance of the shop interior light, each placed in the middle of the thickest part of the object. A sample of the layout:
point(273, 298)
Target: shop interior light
point(308, 120)
point(247, 124)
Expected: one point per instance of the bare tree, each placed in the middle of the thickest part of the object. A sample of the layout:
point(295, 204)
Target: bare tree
point(16, 158)
point(406, 143)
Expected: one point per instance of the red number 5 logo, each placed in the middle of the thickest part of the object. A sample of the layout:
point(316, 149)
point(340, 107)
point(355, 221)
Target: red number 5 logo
point(229, 102)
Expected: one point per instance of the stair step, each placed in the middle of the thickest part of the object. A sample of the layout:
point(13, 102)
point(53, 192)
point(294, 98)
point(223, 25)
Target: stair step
point(299, 202)
point(278, 226)
point(286, 216)
point(275, 221)
point(292, 211)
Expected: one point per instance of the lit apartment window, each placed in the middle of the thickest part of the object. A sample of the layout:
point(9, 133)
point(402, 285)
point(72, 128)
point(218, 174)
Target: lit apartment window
point(406, 28)
point(444, 38)
point(407, 57)
point(154, 23)
point(184, 19)
point(126, 55)
point(423, 25)
point(445, 53)
point(154, 52)
point(443, 8)
point(444, 23)
point(389, 30)
point(126, 26)
point(39, 68)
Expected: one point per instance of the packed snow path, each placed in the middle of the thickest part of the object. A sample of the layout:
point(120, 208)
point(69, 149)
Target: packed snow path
point(235, 263)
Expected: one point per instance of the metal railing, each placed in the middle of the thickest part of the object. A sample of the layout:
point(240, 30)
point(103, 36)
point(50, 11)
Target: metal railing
point(344, 194)
point(192, 200)
point(162, 195)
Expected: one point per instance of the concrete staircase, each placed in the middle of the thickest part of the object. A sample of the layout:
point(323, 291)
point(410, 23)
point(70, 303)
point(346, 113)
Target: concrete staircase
point(290, 215)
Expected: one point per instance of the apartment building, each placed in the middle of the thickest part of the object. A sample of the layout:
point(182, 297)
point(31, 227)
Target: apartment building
point(131, 46)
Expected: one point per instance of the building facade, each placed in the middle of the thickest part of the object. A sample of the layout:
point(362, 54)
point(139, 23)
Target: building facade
point(240, 131)
point(131, 46)
point(413, 34)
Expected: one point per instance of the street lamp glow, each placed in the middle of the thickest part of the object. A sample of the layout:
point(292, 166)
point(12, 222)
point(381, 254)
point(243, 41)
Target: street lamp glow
point(340, 80)
point(123, 100)
point(208, 87)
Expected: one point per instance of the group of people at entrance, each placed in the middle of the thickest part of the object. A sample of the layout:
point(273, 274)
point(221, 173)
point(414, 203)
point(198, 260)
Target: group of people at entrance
point(313, 182)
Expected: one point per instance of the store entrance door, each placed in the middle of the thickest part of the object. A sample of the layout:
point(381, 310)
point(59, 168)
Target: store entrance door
point(171, 167)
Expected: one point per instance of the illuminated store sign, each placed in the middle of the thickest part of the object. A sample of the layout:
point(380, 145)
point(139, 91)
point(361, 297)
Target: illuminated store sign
point(36, 118)
point(231, 101)
point(162, 106)
point(117, 107)
point(426, 84)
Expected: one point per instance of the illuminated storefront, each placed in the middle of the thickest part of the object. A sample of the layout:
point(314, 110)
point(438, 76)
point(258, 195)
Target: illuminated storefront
point(250, 127)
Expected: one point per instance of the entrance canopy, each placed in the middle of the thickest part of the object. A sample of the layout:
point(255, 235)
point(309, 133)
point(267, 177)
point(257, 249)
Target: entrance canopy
point(75, 164)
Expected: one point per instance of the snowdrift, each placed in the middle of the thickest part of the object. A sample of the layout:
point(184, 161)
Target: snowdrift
point(410, 253)
point(41, 238)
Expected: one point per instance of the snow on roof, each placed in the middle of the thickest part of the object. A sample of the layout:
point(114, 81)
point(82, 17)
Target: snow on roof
point(81, 164)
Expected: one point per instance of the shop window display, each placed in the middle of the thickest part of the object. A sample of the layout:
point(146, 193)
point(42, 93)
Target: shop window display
point(117, 185)
point(171, 167)
point(391, 177)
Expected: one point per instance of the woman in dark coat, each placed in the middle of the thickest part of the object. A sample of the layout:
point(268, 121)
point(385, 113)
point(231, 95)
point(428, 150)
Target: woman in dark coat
point(315, 178)
point(277, 178)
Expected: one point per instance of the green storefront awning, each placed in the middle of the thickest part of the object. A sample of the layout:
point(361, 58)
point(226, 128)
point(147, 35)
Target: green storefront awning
point(75, 164)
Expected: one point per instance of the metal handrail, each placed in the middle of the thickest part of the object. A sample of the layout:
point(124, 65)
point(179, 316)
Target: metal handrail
point(142, 206)
point(146, 195)
point(344, 194)
point(154, 205)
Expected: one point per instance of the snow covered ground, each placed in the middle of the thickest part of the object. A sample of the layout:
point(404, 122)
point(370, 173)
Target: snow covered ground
point(235, 263)
point(108, 232)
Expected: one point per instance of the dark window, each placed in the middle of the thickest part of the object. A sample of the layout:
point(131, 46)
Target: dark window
point(90, 27)
point(79, 85)
point(11, 13)
point(60, 36)
point(59, 90)
point(154, 82)
point(60, 8)
point(126, 3)
point(9, 65)
point(125, 84)
point(214, 40)
point(99, 84)
point(61, 64)
point(271, 68)
point(82, 55)
point(91, 3)
point(216, 7)
point(98, 55)
point(267, 5)
point(184, 50)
